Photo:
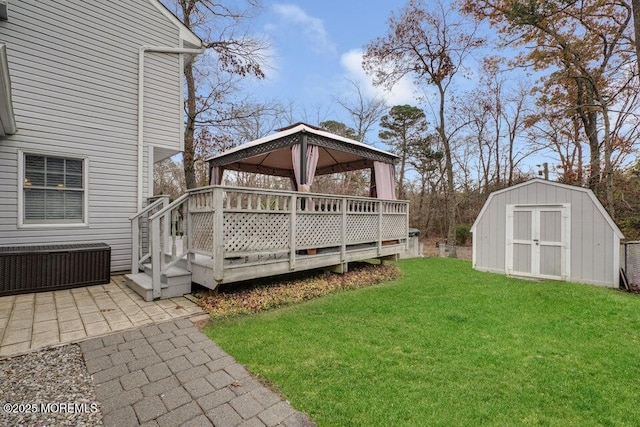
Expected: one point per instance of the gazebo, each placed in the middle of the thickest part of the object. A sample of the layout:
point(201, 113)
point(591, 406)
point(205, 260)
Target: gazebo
point(222, 234)
point(301, 152)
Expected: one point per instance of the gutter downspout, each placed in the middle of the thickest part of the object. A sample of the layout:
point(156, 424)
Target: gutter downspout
point(141, 52)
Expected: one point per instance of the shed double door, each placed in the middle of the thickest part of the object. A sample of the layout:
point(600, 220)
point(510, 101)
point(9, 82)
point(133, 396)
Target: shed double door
point(538, 241)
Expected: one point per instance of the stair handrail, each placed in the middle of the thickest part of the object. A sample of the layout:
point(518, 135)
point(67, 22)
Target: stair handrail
point(157, 240)
point(136, 237)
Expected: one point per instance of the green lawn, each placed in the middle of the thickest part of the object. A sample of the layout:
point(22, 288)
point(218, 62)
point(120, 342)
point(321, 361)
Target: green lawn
point(447, 345)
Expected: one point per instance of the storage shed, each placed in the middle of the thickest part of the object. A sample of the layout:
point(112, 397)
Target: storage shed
point(547, 230)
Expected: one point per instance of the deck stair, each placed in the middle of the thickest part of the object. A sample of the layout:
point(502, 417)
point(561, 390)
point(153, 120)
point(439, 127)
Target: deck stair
point(175, 282)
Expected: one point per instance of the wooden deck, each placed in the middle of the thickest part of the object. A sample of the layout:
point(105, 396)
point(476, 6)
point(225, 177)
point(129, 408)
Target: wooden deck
point(229, 234)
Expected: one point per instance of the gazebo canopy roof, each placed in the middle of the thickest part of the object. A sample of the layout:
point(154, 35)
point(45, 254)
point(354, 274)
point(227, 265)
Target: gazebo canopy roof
point(271, 155)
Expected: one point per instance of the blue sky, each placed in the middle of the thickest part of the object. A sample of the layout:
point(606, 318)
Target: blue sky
point(316, 46)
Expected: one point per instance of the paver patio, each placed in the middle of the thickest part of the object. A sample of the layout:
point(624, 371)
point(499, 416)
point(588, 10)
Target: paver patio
point(37, 320)
point(171, 374)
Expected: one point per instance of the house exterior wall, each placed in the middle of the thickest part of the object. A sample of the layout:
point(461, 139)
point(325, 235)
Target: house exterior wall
point(74, 75)
point(593, 246)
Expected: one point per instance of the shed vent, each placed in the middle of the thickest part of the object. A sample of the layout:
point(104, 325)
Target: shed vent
point(46, 268)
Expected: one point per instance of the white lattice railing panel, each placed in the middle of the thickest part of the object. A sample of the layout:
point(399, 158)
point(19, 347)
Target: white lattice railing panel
point(394, 226)
point(318, 230)
point(202, 231)
point(255, 232)
point(362, 228)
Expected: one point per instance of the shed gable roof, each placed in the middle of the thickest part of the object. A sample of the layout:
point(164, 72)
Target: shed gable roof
point(592, 196)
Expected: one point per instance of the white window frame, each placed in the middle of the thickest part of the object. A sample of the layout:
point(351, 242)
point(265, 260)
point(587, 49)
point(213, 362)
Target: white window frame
point(85, 180)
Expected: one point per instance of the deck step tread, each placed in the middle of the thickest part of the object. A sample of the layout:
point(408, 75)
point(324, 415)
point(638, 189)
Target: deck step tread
point(172, 272)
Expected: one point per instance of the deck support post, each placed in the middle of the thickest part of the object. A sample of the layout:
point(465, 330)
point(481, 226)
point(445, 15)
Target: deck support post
point(379, 227)
point(292, 233)
point(218, 233)
point(341, 268)
point(156, 256)
point(135, 245)
point(385, 259)
point(343, 245)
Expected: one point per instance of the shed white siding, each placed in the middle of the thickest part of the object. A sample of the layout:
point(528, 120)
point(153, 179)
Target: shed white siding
point(594, 241)
point(74, 73)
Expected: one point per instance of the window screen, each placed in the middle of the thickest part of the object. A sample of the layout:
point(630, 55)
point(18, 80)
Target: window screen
point(53, 189)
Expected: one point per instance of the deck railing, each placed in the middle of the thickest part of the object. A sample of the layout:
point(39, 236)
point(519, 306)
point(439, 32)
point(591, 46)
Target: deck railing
point(223, 222)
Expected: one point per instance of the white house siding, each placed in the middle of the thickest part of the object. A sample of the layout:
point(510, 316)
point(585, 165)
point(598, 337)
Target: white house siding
point(74, 74)
point(592, 237)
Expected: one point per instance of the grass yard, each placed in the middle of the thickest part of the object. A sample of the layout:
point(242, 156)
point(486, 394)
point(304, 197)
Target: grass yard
point(447, 345)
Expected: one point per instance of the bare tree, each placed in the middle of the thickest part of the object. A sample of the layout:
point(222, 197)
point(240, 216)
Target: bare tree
point(364, 111)
point(430, 45)
point(231, 53)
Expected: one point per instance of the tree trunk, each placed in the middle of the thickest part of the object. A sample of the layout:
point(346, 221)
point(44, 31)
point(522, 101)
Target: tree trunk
point(450, 189)
point(636, 26)
point(189, 154)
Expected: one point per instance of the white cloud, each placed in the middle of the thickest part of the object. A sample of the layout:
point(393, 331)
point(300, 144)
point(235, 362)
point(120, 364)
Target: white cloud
point(312, 28)
point(403, 92)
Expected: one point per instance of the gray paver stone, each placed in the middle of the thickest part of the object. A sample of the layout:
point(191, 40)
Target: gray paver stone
point(216, 398)
point(130, 345)
point(197, 336)
point(214, 351)
point(160, 337)
point(237, 371)
point(98, 364)
point(246, 406)
point(199, 421)
point(152, 423)
point(184, 323)
point(122, 417)
point(220, 363)
point(224, 416)
point(265, 397)
point(157, 372)
point(276, 413)
point(144, 362)
point(132, 335)
point(198, 388)
point(135, 379)
point(104, 351)
point(179, 416)
point(162, 346)
point(252, 422)
point(168, 327)
point(122, 357)
point(245, 386)
point(149, 408)
point(151, 330)
point(299, 419)
point(93, 344)
point(109, 389)
point(172, 354)
point(143, 351)
point(198, 357)
point(181, 341)
point(201, 345)
point(192, 373)
point(219, 379)
point(175, 398)
point(160, 386)
point(120, 400)
point(114, 339)
point(179, 364)
point(109, 374)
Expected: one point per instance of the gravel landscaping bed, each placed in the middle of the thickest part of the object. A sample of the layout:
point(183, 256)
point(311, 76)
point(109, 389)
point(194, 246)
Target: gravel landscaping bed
point(50, 387)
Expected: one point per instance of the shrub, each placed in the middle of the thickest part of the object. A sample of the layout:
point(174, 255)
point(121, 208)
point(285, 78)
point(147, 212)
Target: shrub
point(463, 232)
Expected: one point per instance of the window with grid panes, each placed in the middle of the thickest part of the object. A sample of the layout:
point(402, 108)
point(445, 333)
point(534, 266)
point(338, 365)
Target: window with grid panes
point(53, 190)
